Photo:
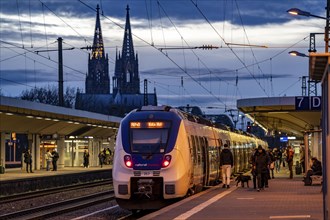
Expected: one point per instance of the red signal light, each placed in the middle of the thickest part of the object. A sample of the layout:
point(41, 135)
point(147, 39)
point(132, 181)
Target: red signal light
point(128, 161)
point(166, 161)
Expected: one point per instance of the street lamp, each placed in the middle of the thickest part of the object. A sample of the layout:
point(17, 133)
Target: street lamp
point(298, 54)
point(297, 11)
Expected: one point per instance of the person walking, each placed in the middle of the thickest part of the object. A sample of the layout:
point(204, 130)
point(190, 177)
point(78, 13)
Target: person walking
point(55, 157)
point(262, 162)
point(28, 160)
point(226, 163)
point(48, 158)
point(86, 159)
point(289, 159)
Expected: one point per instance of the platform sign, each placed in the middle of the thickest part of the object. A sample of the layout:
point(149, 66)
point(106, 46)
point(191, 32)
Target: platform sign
point(303, 103)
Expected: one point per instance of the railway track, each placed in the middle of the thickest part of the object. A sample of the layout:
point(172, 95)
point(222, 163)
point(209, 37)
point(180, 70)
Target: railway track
point(35, 194)
point(54, 209)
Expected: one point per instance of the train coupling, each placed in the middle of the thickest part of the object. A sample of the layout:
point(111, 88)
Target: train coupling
point(145, 187)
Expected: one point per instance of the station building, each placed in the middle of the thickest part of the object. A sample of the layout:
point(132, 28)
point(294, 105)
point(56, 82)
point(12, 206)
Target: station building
point(42, 127)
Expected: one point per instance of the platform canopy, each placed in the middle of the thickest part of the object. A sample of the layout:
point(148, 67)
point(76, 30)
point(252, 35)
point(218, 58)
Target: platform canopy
point(281, 114)
point(22, 116)
point(318, 65)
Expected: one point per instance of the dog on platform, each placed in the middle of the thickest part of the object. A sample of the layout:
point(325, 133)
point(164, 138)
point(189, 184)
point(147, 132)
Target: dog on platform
point(243, 179)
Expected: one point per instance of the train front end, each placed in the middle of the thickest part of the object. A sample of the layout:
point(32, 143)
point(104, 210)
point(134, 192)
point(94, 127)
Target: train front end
point(144, 176)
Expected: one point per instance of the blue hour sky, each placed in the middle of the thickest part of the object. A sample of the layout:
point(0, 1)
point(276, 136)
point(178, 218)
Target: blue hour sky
point(207, 78)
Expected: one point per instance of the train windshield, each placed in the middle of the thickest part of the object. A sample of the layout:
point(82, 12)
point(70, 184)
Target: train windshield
point(149, 140)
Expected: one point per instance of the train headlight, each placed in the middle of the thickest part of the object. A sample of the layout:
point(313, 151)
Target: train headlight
point(166, 161)
point(128, 161)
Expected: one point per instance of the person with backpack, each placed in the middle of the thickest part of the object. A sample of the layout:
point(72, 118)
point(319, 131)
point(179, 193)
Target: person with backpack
point(289, 159)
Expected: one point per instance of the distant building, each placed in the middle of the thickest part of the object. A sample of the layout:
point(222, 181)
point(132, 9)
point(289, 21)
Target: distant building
point(126, 94)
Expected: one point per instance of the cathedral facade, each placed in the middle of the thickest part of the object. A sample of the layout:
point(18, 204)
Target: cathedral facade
point(126, 94)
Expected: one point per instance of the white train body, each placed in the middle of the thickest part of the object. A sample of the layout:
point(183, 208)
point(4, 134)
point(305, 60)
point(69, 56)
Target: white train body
point(163, 154)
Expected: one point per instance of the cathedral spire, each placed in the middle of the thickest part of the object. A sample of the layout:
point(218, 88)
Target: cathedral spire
point(97, 80)
point(98, 47)
point(128, 50)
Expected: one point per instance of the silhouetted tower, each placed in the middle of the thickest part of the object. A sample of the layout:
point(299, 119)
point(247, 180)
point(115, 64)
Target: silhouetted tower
point(126, 79)
point(97, 80)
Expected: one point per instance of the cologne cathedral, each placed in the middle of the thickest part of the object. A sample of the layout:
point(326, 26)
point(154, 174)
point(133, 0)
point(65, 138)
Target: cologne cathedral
point(126, 94)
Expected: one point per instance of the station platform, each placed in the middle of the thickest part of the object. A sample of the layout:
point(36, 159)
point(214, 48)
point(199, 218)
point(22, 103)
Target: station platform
point(284, 199)
point(16, 180)
point(18, 173)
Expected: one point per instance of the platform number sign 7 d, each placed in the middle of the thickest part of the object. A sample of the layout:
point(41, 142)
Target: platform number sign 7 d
point(304, 103)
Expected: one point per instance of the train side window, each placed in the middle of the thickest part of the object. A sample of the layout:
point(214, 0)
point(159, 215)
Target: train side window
point(220, 142)
point(194, 149)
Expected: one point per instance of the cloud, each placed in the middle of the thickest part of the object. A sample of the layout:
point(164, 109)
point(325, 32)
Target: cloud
point(26, 76)
point(264, 24)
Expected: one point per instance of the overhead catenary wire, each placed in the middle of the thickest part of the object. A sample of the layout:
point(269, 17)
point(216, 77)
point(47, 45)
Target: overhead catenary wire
point(165, 54)
point(20, 24)
point(231, 49)
point(198, 62)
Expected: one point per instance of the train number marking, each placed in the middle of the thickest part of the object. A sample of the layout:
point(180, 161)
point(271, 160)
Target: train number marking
point(146, 173)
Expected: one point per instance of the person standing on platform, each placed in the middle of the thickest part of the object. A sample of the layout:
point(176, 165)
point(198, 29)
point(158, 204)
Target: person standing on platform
point(272, 164)
point(254, 171)
point(289, 159)
point(86, 159)
point(28, 160)
point(107, 156)
point(262, 162)
point(226, 163)
point(48, 158)
point(302, 158)
point(55, 157)
point(278, 159)
point(101, 158)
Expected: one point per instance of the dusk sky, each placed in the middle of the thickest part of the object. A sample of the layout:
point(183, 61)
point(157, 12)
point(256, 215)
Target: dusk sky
point(211, 78)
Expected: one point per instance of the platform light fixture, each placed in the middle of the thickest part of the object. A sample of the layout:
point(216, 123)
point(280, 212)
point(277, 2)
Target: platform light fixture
point(297, 11)
point(298, 54)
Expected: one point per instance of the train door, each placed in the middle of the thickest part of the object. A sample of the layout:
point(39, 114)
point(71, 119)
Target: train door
point(205, 159)
point(201, 153)
point(220, 143)
point(193, 157)
point(198, 178)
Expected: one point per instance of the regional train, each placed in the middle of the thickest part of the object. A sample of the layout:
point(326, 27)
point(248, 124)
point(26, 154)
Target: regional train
point(163, 154)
